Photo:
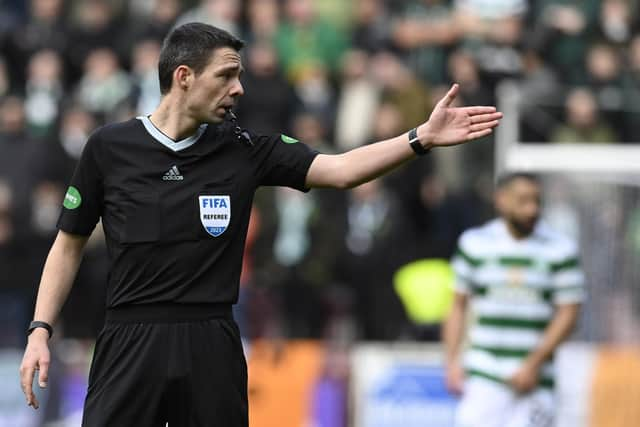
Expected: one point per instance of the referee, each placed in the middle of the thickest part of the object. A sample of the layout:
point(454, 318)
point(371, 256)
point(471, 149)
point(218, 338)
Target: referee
point(174, 192)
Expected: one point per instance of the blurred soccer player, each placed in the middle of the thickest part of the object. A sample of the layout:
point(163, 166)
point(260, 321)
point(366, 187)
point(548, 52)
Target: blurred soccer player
point(523, 284)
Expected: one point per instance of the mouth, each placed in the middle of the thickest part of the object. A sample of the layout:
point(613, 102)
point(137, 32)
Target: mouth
point(224, 109)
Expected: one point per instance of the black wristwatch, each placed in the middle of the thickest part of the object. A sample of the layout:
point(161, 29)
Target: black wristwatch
point(414, 142)
point(38, 324)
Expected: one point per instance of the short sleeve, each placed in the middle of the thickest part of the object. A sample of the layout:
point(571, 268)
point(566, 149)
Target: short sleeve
point(568, 279)
point(463, 266)
point(82, 204)
point(283, 161)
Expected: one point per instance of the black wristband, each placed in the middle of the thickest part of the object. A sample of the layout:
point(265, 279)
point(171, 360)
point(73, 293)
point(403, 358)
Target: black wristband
point(415, 144)
point(38, 324)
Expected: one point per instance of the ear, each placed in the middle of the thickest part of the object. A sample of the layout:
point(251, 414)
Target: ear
point(183, 77)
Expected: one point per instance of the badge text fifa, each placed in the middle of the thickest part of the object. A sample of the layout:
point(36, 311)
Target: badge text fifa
point(215, 213)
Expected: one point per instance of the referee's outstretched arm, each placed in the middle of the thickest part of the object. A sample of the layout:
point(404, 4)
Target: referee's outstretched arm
point(57, 277)
point(446, 126)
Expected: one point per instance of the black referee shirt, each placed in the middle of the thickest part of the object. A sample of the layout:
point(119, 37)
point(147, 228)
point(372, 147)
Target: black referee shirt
point(175, 213)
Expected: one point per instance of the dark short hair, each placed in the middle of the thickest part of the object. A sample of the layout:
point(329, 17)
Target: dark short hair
point(191, 45)
point(508, 178)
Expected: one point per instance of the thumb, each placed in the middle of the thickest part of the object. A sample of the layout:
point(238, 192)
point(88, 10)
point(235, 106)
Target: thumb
point(43, 376)
point(450, 96)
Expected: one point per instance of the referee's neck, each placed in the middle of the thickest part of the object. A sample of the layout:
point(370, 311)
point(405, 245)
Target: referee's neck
point(170, 119)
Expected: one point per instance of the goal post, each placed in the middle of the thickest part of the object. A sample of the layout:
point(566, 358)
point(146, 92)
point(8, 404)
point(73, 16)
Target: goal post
point(591, 192)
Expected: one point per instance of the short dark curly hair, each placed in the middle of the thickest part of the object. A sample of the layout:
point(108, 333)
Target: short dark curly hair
point(191, 44)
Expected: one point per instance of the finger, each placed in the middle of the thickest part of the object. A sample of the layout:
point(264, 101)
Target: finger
point(43, 374)
point(482, 126)
point(472, 111)
point(479, 134)
point(479, 118)
point(26, 381)
point(450, 96)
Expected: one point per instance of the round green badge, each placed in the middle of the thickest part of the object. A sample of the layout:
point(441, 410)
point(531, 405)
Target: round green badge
point(72, 199)
point(288, 139)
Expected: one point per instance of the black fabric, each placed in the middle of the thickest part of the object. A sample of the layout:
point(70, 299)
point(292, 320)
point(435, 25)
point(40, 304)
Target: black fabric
point(163, 312)
point(186, 374)
point(159, 250)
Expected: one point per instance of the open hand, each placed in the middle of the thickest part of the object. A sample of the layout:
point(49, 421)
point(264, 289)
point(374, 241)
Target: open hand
point(455, 125)
point(36, 358)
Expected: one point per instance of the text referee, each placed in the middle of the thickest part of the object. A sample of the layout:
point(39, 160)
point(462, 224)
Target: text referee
point(174, 192)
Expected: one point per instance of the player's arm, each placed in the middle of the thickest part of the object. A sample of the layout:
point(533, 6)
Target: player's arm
point(452, 334)
point(446, 126)
point(558, 330)
point(560, 327)
point(57, 277)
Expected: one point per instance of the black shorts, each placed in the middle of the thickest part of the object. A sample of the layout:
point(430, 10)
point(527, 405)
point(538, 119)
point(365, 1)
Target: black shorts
point(175, 364)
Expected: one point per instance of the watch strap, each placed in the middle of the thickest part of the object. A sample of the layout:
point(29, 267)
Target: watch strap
point(415, 144)
point(39, 324)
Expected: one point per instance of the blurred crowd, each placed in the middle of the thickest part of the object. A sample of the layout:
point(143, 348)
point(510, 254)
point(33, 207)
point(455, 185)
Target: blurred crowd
point(335, 74)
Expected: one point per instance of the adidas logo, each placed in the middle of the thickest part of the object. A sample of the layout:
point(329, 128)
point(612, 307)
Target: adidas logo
point(173, 174)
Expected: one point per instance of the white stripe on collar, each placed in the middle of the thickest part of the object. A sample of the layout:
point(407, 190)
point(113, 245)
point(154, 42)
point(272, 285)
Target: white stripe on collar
point(168, 142)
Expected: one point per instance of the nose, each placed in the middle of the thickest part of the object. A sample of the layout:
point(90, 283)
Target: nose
point(237, 89)
point(532, 209)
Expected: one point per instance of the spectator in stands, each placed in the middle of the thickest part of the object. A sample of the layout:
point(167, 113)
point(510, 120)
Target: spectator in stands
point(583, 123)
point(371, 27)
point(44, 91)
point(540, 89)
point(44, 29)
point(263, 20)
point(401, 87)
point(57, 155)
point(492, 31)
point(561, 29)
point(155, 25)
point(223, 14)
point(374, 217)
point(471, 162)
point(604, 67)
point(305, 42)
point(357, 101)
point(425, 30)
point(616, 21)
point(95, 27)
point(464, 68)
point(104, 84)
point(17, 147)
point(270, 101)
point(317, 94)
point(144, 65)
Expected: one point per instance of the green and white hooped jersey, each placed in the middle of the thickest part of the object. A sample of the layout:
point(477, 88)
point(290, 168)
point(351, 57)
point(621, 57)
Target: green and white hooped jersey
point(514, 286)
